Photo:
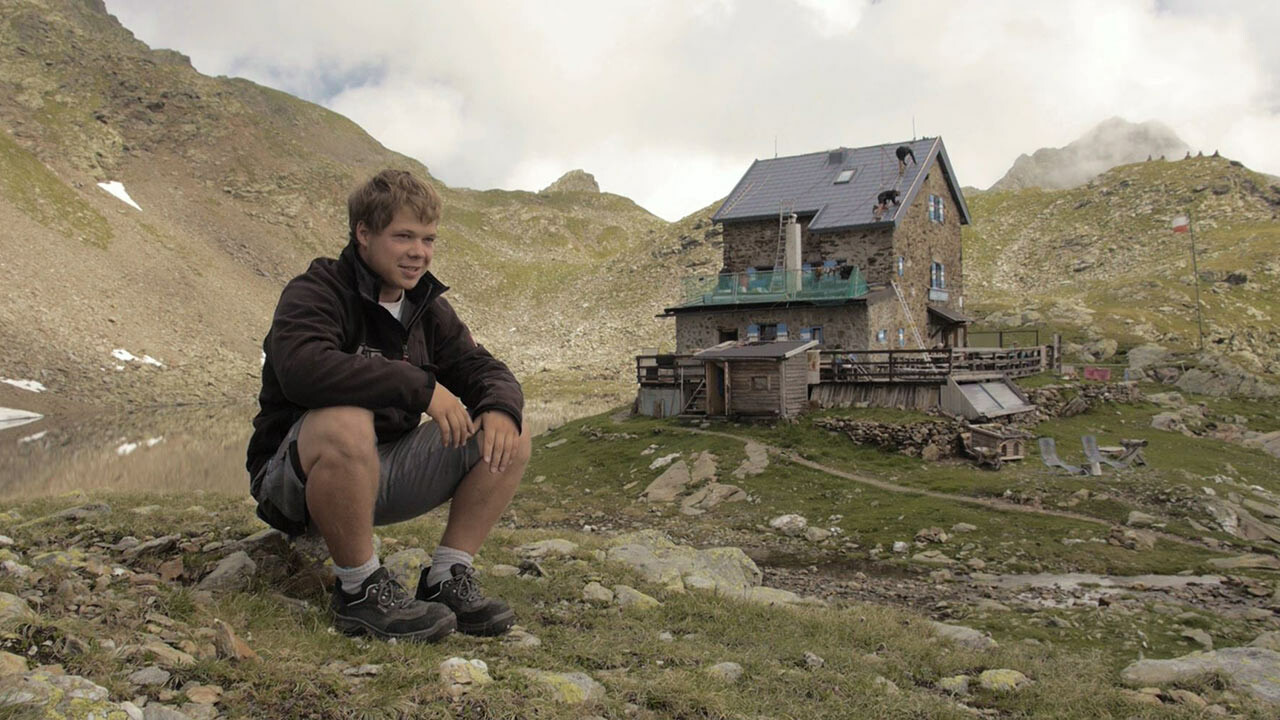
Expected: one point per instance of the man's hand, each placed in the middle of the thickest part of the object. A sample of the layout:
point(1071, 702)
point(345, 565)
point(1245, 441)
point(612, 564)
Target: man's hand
point(455, 424)
point(500, 440)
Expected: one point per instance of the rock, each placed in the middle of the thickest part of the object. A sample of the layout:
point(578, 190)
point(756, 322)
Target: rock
point(574, 181)
point(887, 686)
point(1170, 422)
point(519, 637)
point(1144, 356)
point(668, 486)
point(597, 593)
point(6, 541)
point(547, 548)
point(157, 546)
point(11, 664)
point(662, 562)
point(14, 610)
point(901, 546)
point(571, 688)
point(710, 496)
point(1186, 697)
point(460, 671)
point(726, 672)
point(155, 711)
point(406, 565)
point(203, 694)
point(1172, 400)
point(1269, 640)
point(366, 670)
point(51, 695)
point(931, 534)
point(757, 460)
point(196, 711)
point(791, 524)
point(628, 597)
point(268, 540)
point(1002, 680)
point(230, 574)
point(704, 468)
point(816, 534)
point(932, 557)
point(1199, 636)
point(813, 661)
point(148, 676)
point(502, 570)
point(963, 636)
point(663, 461)
point(167, 656)
point(1255, 670)
point(1140, 519)
point(1266, 562)
point(773, 596)
point(229, 645)
point(556, 443)
point(1139, 540)
point(1220, 377)
point(78, 513)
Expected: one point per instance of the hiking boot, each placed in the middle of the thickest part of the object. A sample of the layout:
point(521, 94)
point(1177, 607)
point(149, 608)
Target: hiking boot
point(383, 608)
point(477, 614)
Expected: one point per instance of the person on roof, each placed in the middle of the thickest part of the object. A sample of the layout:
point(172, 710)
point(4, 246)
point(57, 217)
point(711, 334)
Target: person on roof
point(359, 348)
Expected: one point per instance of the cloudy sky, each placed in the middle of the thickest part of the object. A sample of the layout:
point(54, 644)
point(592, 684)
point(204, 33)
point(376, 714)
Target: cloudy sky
point(669, 101)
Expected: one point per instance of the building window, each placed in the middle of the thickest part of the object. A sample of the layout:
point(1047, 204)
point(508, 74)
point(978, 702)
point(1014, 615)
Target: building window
point(937, 276)
point(902, 338)
point(882, 336)
point(768, 332)
point(728, 335)
point(761, 382)
point(815, 333)
point(902, 264)
point(844, 177)
point(936, 212)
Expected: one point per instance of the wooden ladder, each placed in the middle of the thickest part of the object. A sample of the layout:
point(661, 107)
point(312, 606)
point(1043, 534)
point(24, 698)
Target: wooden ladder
point(699, 394)
point(911, 322)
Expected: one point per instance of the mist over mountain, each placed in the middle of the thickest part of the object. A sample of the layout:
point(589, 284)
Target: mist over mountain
point(1110, 143)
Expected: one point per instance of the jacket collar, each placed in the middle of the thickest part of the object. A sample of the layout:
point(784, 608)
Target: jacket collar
point(370, 285)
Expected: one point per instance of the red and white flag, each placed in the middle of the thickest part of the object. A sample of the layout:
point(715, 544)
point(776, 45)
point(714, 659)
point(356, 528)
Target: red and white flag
point(1181, 223)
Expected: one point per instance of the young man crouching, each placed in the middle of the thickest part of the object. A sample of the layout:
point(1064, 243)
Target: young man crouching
point(359, 348)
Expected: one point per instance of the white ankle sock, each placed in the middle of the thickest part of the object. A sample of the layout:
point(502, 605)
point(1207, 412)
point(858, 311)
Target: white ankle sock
point(352, 577)
point(442, 560)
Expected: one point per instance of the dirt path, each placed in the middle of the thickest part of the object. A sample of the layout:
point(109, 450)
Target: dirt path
point(989, 503)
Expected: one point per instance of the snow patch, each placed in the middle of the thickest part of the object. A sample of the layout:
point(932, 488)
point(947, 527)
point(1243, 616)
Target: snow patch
point(116, 188)
point(33, 438)
point(152, 442)
point(31, 385)
point(125, 356)
point(10, 417)
point(126, 448)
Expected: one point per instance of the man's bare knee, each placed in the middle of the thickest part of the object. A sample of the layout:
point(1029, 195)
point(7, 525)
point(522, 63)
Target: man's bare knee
point(337, 435)
point(523, 451)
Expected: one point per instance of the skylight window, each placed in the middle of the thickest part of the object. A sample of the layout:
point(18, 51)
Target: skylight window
point(844, 177)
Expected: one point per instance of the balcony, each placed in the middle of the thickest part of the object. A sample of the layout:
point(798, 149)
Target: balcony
point(828, 283)
point(937, 294)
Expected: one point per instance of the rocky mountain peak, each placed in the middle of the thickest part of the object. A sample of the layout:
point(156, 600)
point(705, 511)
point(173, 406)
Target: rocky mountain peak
point(1112, 142)
point(574, 181)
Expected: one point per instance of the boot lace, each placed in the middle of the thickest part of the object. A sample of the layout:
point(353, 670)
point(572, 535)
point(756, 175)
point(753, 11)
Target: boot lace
point(465, 587)
point(389, 593)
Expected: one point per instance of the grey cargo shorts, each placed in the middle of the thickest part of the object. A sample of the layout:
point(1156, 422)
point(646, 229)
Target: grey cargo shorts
point(416, 473)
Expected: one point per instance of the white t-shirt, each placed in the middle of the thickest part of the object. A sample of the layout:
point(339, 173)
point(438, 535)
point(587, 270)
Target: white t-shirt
point(394, 307)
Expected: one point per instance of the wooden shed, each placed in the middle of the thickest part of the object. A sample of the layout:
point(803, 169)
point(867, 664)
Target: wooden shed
point(765, 379)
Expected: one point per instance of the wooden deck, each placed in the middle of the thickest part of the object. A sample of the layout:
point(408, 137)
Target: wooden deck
point(874, 366)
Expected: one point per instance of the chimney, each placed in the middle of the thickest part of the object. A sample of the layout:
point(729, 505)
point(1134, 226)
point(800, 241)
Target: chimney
point(835, 157)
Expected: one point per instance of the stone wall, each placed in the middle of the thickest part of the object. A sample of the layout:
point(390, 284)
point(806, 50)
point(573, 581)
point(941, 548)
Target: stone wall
point(921, 242)
point(843, 326)
point(930, 440)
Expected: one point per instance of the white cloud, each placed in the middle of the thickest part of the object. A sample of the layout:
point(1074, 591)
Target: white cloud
point(668, 102)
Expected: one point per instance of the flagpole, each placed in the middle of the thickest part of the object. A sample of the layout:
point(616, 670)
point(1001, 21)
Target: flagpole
point(1195, 279)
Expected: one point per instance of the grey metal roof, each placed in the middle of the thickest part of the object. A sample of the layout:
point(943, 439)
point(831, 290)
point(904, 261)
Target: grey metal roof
point(946, 313)
point(806, 184)
point(776, 350)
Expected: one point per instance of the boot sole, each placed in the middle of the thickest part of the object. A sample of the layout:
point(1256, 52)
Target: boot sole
point(438, 631)
point(493, 626)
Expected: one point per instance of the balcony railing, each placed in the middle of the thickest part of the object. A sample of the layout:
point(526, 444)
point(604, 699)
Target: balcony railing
point(825, 283)
point(938, 294)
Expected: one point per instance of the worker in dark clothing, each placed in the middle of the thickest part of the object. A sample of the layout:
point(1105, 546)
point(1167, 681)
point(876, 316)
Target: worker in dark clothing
point(903, 152)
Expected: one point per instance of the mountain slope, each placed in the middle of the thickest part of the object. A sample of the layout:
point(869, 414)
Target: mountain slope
point(240, 186)
point(1101, 259)
point(1110, 143)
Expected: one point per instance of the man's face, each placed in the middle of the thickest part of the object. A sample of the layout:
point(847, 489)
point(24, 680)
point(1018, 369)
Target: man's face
point(400, 254)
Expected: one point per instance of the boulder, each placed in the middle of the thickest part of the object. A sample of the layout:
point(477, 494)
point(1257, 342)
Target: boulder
point(1254, 670)
point(1221, 377)
point(1137, 518)
point(660, 561)
point(232, 572)
point(1002, 680)
point(726, 672)
point(406, 565)
point(596, 593)
point(668, 486)
point(570, 688)
point(11, 664)
point(628, 597)
point(963, 636)
point(57, 696)
point(460, 671)
point(1144, 356)
point(555, 547)
point(14, 610)
point(791, 524)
